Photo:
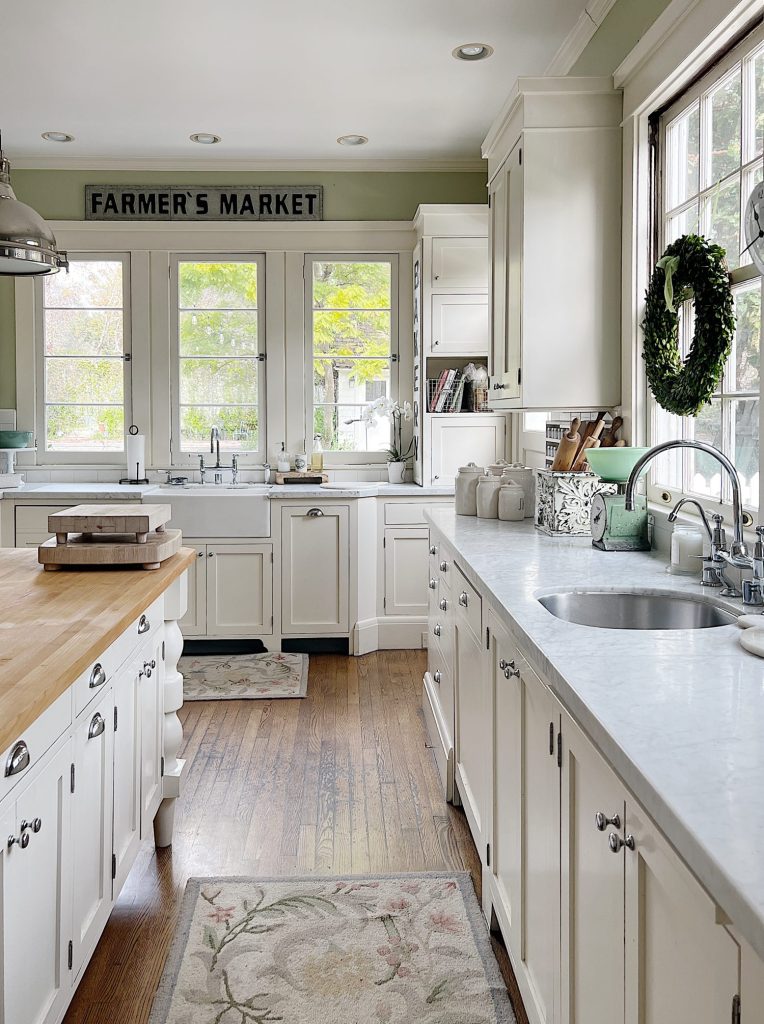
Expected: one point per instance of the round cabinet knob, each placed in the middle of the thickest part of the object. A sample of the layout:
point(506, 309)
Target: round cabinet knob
point(463, 599)
point(35, 824)
point(436, 677)
point(511, 671)
point(443, 604)
point(502, 664)
point(444, 566)
point(200, 554)
point(433, 550)
point(436, 630)
point(210, 554)
point(12, 841)
point(24, 840)
point(153, 663)
point(147, 669)
point(433, 584)
point(616, 843)
point(602, 821)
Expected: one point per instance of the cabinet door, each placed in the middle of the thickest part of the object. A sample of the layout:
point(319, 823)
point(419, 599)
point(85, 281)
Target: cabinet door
point(459, 325)
point(681, 965)
point(406, 571)
point(92, 826)
point(540, 845)
point(456, 440)
point(35, 898)
point(459, 263)
point(473, 729)
point(127, 773)
point(506, 230)
point(151, 703)
point(507, 694)
point(314, 569)
point(194, 622)
point(592, 882)
point(239, 589)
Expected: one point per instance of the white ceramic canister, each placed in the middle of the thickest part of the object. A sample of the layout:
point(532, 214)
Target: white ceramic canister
point(511, 501)
point(466, 489)
point(488, 496)
point(524, 476)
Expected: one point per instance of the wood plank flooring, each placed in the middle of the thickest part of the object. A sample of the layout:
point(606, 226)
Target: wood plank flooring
point(340, 782)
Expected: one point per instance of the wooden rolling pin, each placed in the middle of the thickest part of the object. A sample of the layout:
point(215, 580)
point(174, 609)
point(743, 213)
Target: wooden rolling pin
point(591, 432)
point(579, 466)
point(609, 438)
point(567, 449)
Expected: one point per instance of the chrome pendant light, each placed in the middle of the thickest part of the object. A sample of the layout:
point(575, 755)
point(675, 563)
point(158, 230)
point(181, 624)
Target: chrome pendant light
point(27, 245)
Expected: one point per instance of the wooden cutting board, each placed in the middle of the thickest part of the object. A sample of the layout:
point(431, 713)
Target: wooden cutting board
point(82, 549)
point(140, 520)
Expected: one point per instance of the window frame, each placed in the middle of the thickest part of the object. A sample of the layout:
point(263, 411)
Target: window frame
point(190, 460)
point(348, 458)
point(105, 457)
point(749, 170)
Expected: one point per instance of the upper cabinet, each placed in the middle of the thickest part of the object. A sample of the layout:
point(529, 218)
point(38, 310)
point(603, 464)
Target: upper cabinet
point(459, 264)
point(554, 167)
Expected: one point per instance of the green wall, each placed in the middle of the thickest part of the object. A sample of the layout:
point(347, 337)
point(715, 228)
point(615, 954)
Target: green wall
point(626, 22)
point(348, 195)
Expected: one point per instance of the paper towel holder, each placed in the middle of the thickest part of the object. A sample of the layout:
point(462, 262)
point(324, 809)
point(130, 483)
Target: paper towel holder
point(133, 429)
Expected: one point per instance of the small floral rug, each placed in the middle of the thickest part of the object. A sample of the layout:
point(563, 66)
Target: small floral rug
point(242, 676)
point(367, 950)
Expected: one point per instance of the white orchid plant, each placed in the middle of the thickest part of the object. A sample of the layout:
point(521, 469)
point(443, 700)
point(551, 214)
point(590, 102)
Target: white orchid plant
point(385, 408)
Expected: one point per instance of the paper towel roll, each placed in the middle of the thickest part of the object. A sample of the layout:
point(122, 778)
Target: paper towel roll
point(136, 456)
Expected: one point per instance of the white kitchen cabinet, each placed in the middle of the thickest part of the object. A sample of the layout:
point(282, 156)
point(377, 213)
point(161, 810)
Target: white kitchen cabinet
point(239, 589)
point(459, 325)
point(681, 962)
point(540, 945)
point(472, 750)
point(555, 194)
point(314, 569)
point(194, 622)
point(452, 441)
point(150, 672)
point(36, 894)
point(438, 683)
point(92, 823)
point(592, 882)
point(406, 570)
point(459, 264)
point(127, 772)
point(507, 784)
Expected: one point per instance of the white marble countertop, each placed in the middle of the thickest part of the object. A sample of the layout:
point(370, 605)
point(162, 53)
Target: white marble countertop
point(678, 714)
point(112, 491)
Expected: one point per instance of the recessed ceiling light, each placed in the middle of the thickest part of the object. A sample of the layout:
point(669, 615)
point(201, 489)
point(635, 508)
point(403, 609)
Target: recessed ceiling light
point(205, 138)
point(353, 140)
point(472, 51)
point(57, 137)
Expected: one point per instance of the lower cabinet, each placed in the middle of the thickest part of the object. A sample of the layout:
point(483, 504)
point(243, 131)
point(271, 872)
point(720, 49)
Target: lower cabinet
point(315, 553)
point(36, 894)
point(92, 821)
point(406, 570)
point(127, 772)
point(150, 671)
point(230, 590)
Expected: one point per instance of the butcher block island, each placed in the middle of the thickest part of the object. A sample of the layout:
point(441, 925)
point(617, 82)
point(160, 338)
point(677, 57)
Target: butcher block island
point(89, 734)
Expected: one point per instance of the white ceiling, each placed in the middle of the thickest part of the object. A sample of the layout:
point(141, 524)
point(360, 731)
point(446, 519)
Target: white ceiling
point(279, 80)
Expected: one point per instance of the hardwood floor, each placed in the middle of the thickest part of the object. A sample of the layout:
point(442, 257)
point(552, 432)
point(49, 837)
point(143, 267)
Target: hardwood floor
point(340, 782)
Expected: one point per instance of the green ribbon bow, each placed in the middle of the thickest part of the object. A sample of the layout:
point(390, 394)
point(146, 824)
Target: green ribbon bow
point(669, 266)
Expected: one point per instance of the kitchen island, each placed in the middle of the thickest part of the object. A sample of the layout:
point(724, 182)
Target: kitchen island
point(626, 763)
point(89, 733)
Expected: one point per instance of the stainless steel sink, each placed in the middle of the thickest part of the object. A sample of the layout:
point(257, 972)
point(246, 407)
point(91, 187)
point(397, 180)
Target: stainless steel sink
point(625, 609)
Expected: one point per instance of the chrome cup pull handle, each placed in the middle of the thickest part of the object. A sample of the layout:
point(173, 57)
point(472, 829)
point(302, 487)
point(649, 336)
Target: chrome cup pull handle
point(314, 513)
point(97, 676)
point(143, 625)
point(18, 759)
point(97, 726)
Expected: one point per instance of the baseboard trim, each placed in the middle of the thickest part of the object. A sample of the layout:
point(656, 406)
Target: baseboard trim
point(390, 634)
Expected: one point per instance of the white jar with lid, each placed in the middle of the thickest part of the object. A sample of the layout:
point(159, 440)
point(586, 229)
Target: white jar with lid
point(524, 476)
point(465, 501)
point(498, 467)
point(511, 501)
point(488, 487)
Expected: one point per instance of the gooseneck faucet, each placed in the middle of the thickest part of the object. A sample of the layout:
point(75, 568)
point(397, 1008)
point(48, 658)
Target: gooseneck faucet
point(215, 445)
point(738, 554)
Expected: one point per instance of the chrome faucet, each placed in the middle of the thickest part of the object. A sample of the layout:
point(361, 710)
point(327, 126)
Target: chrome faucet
point(738, 554)
point(215, 445)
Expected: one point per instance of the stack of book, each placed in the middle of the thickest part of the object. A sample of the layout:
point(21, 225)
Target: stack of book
point(445, 394)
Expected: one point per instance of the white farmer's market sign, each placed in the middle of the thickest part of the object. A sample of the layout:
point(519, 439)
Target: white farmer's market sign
point(204, 202)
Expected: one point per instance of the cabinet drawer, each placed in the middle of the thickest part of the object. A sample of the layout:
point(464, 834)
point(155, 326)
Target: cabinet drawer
point(468, 603)
point(96, 675)
point(407, 513)
point(34, 741)
point(31, 523)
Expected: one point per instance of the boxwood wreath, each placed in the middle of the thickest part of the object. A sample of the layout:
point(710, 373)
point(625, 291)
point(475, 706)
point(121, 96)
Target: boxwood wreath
point(691, 267)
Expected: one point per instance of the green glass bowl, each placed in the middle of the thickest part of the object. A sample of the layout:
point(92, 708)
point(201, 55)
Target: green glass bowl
point(16, 438)
point(613, 465)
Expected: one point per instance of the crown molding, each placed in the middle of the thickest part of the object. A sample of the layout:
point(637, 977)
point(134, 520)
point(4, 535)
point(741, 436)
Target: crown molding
point(579, 37)
point(38, 163)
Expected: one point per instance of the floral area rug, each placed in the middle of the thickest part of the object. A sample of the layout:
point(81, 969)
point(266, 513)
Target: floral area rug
point(366, 950)
point(241, 676)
